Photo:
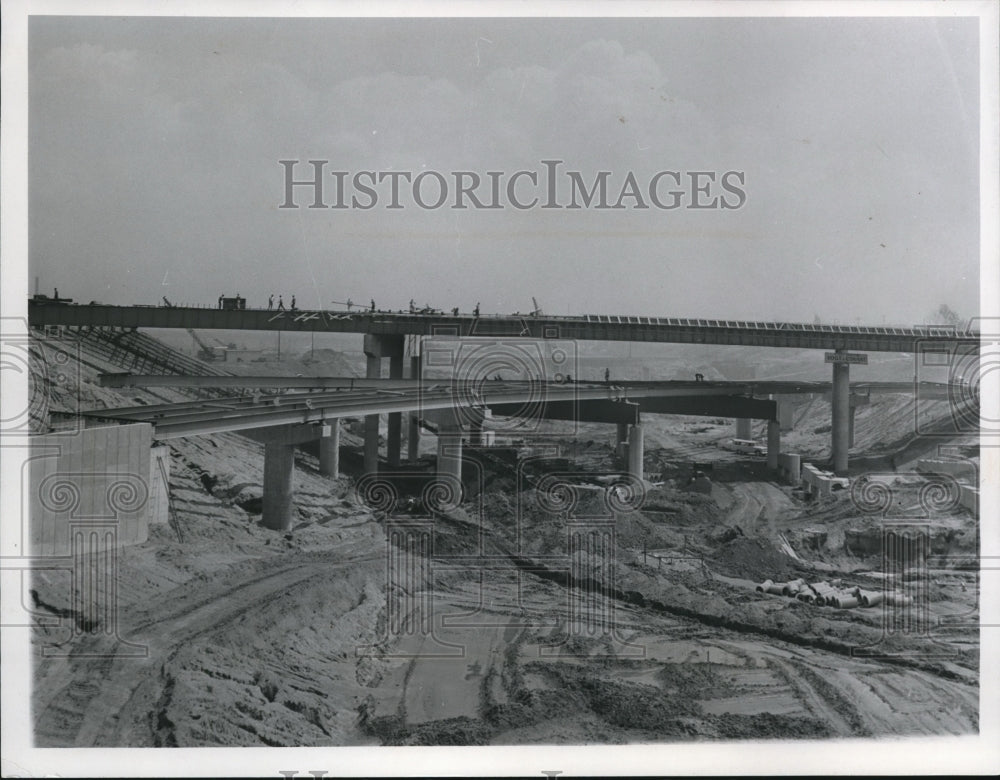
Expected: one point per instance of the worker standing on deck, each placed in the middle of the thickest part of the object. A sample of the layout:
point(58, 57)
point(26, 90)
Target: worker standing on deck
point(475, 312)
point(607, 374)
point(373, 304)
point(411, 305)
point(293, 303)
point(220, 301)
point(270, 302)
point(281, 304)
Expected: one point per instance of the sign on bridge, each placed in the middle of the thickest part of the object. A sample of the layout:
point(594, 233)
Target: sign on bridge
point(847, 357)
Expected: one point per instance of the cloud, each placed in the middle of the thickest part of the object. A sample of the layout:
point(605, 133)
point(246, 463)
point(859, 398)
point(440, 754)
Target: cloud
point(160, 152)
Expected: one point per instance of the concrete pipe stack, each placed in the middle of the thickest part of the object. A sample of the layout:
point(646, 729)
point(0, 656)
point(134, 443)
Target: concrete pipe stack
point(844, 600)
point(826, 594)
point(868, 598)
point(806, 594)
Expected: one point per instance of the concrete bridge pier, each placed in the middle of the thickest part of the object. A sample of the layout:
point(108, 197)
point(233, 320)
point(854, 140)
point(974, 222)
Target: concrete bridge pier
point(773, 444)
point(635, 451)
point(279, 467)
point(840, 431)
point(377, 347)
point(329, 451)
point(394, 434)
point(374, 371)
point(413, 430)
point(449, 451)
point(786, 414)
point(621, 441)
point(744, 428)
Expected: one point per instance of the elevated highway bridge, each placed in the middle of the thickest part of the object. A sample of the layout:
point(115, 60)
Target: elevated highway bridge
point(310, 408)
point(385, 334)
point(587, 327)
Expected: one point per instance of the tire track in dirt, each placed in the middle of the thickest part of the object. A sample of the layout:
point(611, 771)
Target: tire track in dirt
point(817, 703)
point(85, 694)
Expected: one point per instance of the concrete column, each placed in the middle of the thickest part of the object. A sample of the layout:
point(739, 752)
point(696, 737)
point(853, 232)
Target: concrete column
point(329, 451)
point(744, 429)
point(635, 451)
point(850, 425)
point(377, 347)
point(773, 444)
point(374, 371)
point(413, 432)
point(449, 456)
point(413, 438)
point(840, 433)
point(786, 414)
point(622, 435)
point(395, 429)
point(476, 433)
point(279, 464)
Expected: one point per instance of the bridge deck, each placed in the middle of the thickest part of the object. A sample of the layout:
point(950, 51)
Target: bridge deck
point(238, 413)
point(316, 404)
point(588, 327)
point(749, 387)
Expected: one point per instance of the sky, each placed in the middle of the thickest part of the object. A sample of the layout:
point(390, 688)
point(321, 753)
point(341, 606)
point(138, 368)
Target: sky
point(155, 146)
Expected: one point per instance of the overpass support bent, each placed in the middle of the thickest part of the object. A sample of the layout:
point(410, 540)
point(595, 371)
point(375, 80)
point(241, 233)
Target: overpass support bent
point(840, 429)
point(279, 467)
point(773, 444)
point(413, 431)
point(329, 451)
point(449, 452)
point(786, 414)
point(376, 348)
point(635, 450)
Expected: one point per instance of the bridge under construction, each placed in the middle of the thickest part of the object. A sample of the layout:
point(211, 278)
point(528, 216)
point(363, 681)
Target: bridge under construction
point(386, 332)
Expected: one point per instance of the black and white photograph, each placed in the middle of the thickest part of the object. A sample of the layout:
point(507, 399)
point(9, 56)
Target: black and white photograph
point(598, 389)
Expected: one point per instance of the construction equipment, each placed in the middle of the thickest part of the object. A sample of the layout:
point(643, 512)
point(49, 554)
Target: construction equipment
point(206, 351)
point(537, 312)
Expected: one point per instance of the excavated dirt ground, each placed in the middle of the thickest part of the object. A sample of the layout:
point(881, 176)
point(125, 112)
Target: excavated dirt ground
point(503, 632)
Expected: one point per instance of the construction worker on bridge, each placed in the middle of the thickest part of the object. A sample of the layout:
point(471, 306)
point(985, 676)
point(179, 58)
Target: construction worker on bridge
point(281, 304)
point(270, 302)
